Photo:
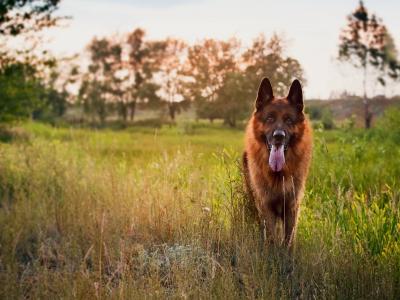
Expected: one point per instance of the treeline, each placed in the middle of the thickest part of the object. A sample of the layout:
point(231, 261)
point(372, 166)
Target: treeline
point(219, 77)
point(126, 72)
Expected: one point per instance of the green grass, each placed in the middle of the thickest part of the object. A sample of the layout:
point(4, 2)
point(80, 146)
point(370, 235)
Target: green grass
point(153, 214)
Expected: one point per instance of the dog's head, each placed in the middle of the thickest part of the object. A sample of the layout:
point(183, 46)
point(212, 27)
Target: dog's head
point(278, 120)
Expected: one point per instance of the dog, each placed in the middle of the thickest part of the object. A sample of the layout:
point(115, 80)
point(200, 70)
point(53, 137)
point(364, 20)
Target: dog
point(276, 159)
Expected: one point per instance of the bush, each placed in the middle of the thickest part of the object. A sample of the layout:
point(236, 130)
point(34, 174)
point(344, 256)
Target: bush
point(314, 112)
point(388, 127)
point(317, 125)
point(185, 127)
point(327, 119)
point(348, 123)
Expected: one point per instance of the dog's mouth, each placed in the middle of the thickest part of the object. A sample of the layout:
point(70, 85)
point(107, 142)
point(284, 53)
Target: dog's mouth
point(277, 156)
point(270, 146)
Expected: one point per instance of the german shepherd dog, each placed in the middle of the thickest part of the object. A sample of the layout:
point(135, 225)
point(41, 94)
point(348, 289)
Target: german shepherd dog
point(276, 159)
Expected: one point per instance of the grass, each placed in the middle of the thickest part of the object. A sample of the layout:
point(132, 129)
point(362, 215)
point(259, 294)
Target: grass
point(147, 213)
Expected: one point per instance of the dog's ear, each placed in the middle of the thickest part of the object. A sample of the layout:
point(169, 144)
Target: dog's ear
point(296, 95)
point(265, 94)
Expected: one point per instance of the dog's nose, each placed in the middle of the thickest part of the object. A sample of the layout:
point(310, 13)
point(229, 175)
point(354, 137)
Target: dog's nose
point(279, 134)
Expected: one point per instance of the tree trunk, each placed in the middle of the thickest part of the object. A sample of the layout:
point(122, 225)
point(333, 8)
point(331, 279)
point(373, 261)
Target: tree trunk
point(232, 122)
point(124, 111)
point(102, 114)
point(368, 114)
point(133, 107)
point(171, 111)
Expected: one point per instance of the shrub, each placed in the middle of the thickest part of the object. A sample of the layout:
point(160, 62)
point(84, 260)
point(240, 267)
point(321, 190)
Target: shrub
point(317, 125)
point(388, 127)
point(327, 119)
point(314, 112)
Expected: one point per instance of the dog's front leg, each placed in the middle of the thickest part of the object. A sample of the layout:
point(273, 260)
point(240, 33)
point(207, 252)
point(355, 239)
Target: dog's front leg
point(269, 223)
point(291, 218)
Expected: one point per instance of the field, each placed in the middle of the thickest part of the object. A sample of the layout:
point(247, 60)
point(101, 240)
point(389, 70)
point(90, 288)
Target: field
point(146, 213)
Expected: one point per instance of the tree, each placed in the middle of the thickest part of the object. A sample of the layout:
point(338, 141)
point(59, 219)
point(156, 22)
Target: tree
point(267, 59)
point(21, 16)
point(210, 62)
point(91, 94)
point(235, 100)
point(169, 69)
point(366, 43)
point(393, 64)
point(121, 73)
point(22, 84)
point(23, 74)
point(142, 61)
point(95, 89)
point(224, 79)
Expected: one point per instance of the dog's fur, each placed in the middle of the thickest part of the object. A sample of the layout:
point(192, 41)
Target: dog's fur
point(265, 186)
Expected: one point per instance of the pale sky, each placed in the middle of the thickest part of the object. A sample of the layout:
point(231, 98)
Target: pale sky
point(312, 25)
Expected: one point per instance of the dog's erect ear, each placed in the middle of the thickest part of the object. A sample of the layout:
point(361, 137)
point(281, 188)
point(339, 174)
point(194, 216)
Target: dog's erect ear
point(296, 95)
point(265, 94)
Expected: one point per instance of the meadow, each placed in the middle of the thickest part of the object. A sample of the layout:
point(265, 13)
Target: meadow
point(146, 213)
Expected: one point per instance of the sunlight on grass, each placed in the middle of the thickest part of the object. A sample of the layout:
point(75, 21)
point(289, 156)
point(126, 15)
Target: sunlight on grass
point(145, 214)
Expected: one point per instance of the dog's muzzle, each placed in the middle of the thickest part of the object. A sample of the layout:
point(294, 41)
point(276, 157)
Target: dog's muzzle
point(278, 138)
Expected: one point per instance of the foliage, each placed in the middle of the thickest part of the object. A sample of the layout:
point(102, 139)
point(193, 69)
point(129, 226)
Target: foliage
point(366, 43)
point(237, 102)
point(210, 61)
point(314, 112)
point(327, 118)
point(225, 78)
point(17, 17)
point(266, 58)
point(141, 215)
point(388, 127)
point(169, 69)
point(92, 95)
point(214, 75)
point(22, 87)
point(120, 74)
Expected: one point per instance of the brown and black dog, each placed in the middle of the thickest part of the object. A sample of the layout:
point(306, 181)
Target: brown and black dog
point(277, 154)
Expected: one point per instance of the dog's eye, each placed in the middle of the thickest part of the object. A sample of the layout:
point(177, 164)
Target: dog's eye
point(270, 120)
point(288, 121)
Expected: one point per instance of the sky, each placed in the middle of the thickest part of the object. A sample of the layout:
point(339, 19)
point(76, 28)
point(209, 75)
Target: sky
point(312, 26)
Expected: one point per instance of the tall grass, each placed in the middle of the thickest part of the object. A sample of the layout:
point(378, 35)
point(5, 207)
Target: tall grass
point(154, 215)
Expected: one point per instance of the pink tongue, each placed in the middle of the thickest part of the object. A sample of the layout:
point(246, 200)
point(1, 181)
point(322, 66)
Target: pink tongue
point(277, 158)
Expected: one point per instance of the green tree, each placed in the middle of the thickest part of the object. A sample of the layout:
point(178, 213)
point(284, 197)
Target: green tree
point(140, 70)
point(91, 94)
point(95, 90)
point(22, 85)
point(209, 63)
point(23, 73)
point(235, 100)
point(366, 44)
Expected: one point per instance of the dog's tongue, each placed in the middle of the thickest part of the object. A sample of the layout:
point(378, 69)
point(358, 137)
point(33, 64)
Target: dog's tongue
point(277, 158)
